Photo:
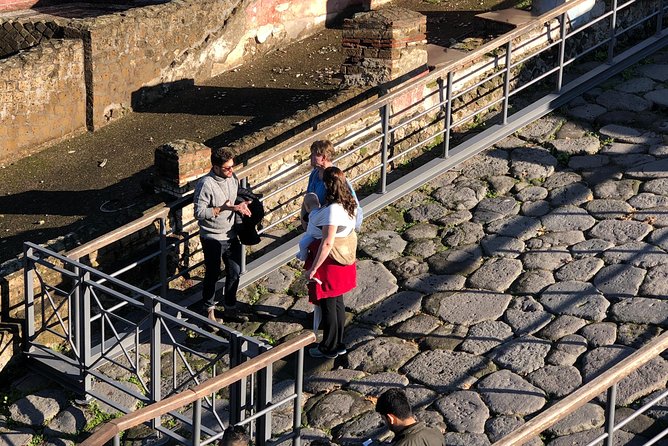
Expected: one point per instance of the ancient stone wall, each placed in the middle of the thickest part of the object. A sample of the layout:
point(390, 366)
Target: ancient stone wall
point(42, 96)
point(13, 5)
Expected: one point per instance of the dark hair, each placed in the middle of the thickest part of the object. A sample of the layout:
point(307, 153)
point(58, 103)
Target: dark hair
point(235, 436)
point(324, 148)
point(338, 191)
point(394, 401)
point(221, 155)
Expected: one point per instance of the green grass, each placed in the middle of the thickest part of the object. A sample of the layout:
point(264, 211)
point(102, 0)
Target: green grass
point(98, 417)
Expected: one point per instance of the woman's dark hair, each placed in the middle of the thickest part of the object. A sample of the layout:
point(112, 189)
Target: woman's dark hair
point(338, 190)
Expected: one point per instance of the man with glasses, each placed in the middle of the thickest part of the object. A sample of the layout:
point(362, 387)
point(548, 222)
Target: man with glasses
point(215, 195)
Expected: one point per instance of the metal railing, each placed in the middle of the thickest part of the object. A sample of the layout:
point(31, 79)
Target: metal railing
point(605, 382)
point(198, 395)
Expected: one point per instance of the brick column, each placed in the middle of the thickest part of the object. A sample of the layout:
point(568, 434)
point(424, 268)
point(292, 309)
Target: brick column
point(383, 45)
point(178, 163)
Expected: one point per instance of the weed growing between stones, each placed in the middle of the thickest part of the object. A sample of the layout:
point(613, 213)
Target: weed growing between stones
point(98, 417)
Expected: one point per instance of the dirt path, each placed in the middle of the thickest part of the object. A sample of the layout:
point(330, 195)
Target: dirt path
point(94, 182)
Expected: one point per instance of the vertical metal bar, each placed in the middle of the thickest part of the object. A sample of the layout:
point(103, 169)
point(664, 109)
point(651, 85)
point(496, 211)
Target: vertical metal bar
point(117, 440)
point(244, 184)
point(448, 116)
point(153, 307)
point(84, 322)
point(610, 415)
point(74, 333)
point(613, 32)
point(297, 407)
point(29, 293)
point(197, 421)
point(235, 388)
point(562, 50)
point(506, 82)
point(385, 122)
point(441, 101)
point(264, 395)
point(163, 258)
point(659, 18)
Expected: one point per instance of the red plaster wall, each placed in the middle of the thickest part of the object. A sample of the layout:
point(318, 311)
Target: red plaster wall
point(13, 5)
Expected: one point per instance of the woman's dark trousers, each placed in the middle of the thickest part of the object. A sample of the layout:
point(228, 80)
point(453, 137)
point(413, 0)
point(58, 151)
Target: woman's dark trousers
point(333, 320)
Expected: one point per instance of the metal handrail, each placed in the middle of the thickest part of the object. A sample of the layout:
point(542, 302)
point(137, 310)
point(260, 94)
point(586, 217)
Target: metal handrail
point(115, 427)
point(586, 393)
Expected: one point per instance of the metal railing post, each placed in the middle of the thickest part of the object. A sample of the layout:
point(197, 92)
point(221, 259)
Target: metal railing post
point(29, 293)
point(197, 421)
point(264, 396)
point(117, 440)
point(237, 395)
point(610, 415)
point(562, 50)
point(385, 122)
point(163, 258)
point(448, 116)
point(506, 82)
point(613, 32)
point(659, 18)
point(153, 307)
point(297, 407)
point(85, 332)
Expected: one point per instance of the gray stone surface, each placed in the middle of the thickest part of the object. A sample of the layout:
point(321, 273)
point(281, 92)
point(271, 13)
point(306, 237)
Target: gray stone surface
point(526, 316)
point(561, 179)
point(417, 327)
point(584, 145)
point(533, 282)
point(490, 163)
point(420, 231)
point(641, 310)
point(506, 393)
point(463, 411)
point(548, 259)
point(467, 233)
point(535, 208)
point(435, 283)
point(656, 282)
point(279, 281)
point(454, 218)
point(381, 245)
point(374, 385)
point(588, 161)
point(69, 421)
point(656, 169)
point(581, 269)
point(556, 381)
point(486, 335)
point(657, 216)
point(278, 330)
point(336, 407)
point(586, 417)
point(491, 209)
point(532, 163)
point(579, 299)
point(620, 231)
point(640, 254)
point(445, 337)
point(423, 248)
point(556, 239)
point(445, 371)
point(469, 307)
point(587, 112)
point(460, 196)
point(657, 72)
point(37, 409)
point(616, 189)
point(498, 427)
point(658, 186)
point(603, 209)
point(501, 184)
point(623, 148)
point(273, 305)
point(368, 425)
point(496, 274)
point(619, 281)
point(541, 129)
point(600, 333)
point(643, 381)
point(562, 326)
point(618, 100)
point(585, 437)
point(621, 133)
point(573, 194)
point(330, 380)
point(522, 355)
point(659, 237)
point(567, 350)
point(568, 218)
point(590, 247)
point(517, 226)
point(463, 260)
point(499, 246)
point(465, 439)
point(393, 309)
point(425, 212)
point(374, 283)
point(381, 354)
point(532, 193)
point(636, 85)
point(406, 267)
point(658, 97)
point(647, 200)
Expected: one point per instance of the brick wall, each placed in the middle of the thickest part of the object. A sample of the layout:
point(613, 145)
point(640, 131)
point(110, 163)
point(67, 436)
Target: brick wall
point(42, 96)
point(14, 5)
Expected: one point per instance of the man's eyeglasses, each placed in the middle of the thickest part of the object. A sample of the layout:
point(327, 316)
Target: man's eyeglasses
point(228, 168)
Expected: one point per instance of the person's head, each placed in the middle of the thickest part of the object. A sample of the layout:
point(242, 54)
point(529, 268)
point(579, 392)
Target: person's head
point(322, 154)
point(338, 191)
point(235, 436)
point(395, 409)
point(222, 162)
point(311, 202)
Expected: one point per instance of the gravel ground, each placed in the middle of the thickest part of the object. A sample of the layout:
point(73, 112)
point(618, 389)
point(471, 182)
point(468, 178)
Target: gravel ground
point(94, 182)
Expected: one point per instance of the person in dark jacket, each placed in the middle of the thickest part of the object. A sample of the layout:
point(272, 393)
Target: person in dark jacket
point(395, 409)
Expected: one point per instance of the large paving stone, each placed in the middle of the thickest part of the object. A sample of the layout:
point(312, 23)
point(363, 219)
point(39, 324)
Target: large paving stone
point(279, 281)
point(465, 439)
point(642, 310)
point(656, 282)
point(532, 193)
point(658, 186)
point(581, 270)
point(487, 164)
point(568, 218)
point(535, 209)
point(356, 335)
point(273, 304)
point(330, 380)
point(579, 299)
point(381, 245)
point(548, 259)
point(533, 282)
point(499, 246)
point(584, 418)
point(654, 71)
point(636, 85)
point(279, 330)
point(609, 209)
point(491, 209)
point(454, 218)
point(562, 326)
point(496, 274)
point(656, 169)
point(336, 408)
point(498, 427)
point(636, 335)
point(586, 145)
point(658, 97)
point(588, 162)
point(623, 148)
point(463, 411)
point(657, 216)
point(586, 437)
point(420, 231)
point(425, 212)
point(406, 267)
point(468, 307)
point(374, 283)
point(621, 133)
point(600, 333)
point(618, 100)
point(619, 281)
point(381, 354)
point(590, 247)
point(561, 179)
point(571, 195)
point(12, 435)
point(69, 421)
point(567, 350)
point(463, 260)
point(541, 129)
point(587, 112)
point(446, 371)
point(467, 233)
point(445, 337)
point(486, 335)
point(522, 355)
point(435, 283)
point(555, 239)
point(37, 409)
point(518, 226)
point(640, 254)
point(506, 393)
point(394, 309)
point(417, 327)
point(356, 431)
point(532, 163)
point(460, 196)
point(616, 189)
point(659, 237)
point(620, 231)
point(526, 316)
point(501, 184)
point(647, 200)
point(374, 385)
point(555, 380)
point(648, 378)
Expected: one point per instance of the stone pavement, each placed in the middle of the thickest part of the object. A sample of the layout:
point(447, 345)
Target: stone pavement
point(490, 292)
